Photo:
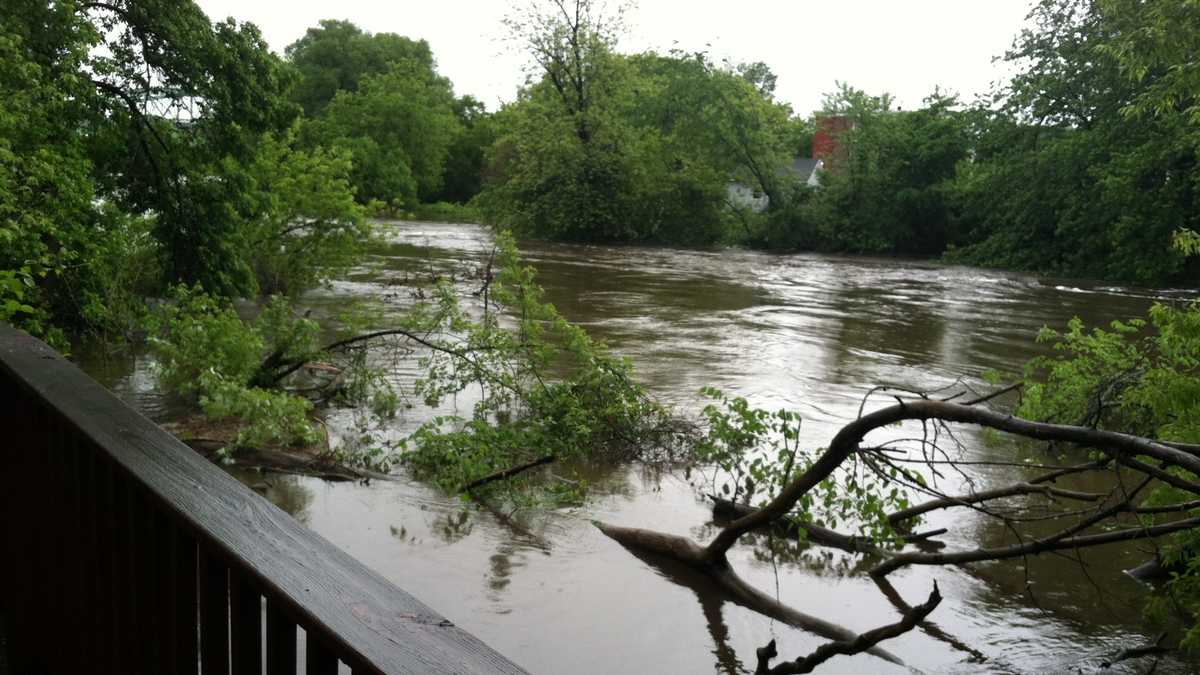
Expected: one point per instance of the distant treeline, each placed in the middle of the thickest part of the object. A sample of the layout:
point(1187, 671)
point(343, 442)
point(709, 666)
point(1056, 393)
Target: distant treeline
point(1084, 164)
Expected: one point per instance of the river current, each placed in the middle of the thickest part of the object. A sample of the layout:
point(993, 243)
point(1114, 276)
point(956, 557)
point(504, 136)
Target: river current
point(811, 333)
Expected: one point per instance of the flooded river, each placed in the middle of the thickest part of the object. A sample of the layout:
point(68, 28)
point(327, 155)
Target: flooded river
point(808, 332)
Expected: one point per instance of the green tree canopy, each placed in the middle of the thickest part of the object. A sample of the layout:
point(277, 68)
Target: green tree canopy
point(888, 194)
point(131, 136)
point(606, 147)
point(1092, 165)
point(398, 126)
point(337, 55)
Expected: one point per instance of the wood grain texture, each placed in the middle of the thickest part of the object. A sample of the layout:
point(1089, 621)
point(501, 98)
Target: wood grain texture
point(363, 618)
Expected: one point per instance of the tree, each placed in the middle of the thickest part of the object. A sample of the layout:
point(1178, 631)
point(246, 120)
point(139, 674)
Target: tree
point(398, 128)
point(1080, 179)
point(379, 98)
point(310, 228)
point(46, 185)
point(606, 147)
point(337, 55)
point(720, 122)
point(889, 192)
point(570, 42)
point(132, 135)
point(1152, 44)
point(183, 103)
point(462, 176)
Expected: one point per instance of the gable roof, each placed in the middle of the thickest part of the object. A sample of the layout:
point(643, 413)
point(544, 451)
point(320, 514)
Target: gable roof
point(803, 167)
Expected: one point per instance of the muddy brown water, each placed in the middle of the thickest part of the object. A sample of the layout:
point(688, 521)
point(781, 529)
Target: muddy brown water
point(808, 332)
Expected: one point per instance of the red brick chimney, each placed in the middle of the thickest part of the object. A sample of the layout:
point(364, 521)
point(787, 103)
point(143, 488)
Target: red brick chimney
point(827, 139)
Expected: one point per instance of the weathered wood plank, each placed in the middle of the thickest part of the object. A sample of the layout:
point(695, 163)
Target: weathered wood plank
point(369, 621)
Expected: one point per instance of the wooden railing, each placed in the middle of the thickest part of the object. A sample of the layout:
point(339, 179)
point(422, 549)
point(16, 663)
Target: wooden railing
point(123, 551)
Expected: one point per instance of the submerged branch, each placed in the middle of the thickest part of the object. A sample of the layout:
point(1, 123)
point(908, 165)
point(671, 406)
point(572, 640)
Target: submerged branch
point(691, 554)
point(857, 645)
point(507, 473)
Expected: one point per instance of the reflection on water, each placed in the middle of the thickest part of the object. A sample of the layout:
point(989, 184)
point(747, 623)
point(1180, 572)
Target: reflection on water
point(809, 332)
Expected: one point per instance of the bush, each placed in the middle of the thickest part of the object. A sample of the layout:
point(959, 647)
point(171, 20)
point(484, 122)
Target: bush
point(445, 212)
point(1140, 377)
point(206, 352)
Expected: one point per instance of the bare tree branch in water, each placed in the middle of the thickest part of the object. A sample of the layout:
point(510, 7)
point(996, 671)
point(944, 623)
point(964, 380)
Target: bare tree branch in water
point(859, 644)
point(1099, 518)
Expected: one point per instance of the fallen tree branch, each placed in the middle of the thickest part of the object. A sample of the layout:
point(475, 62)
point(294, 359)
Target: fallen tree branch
point(1029, 548)
point(928, 627)
point(688, 552)
point(724, 508)
point(1119, 446)
point(857, 645)
point(507, 473)
point(988, 495)
point(995, 394)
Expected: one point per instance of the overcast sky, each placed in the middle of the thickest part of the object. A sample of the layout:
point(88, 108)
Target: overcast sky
point(903, 47)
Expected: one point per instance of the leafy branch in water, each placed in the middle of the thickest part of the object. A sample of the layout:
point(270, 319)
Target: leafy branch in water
point(753, 453)
point(207, 353)
point(545, 388)
point(543, 391)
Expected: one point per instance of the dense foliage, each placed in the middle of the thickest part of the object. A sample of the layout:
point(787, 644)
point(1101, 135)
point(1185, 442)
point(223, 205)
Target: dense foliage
point(208, 354)
point(749, 455)
point(379, 97)
point(1085, 171)
point(1140, 377)
point(546, 390)
point(144, 145)
point(606, 147)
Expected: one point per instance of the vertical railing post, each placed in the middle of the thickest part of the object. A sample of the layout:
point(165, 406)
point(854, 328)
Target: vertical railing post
point(14, 559)
point(185, 640)
point(214, 615)
point(281, 641)
point(245, 627)
point(318, 659)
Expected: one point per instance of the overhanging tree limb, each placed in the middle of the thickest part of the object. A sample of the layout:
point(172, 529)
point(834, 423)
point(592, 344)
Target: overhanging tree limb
point(1122, 447)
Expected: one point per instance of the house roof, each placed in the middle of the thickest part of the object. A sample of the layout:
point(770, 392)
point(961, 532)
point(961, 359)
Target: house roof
point(803, 167)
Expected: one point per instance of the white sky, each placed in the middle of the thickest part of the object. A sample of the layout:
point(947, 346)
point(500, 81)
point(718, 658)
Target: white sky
point(901, 46)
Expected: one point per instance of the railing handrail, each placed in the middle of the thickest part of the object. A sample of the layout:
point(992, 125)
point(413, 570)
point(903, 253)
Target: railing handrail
point(368, 620)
